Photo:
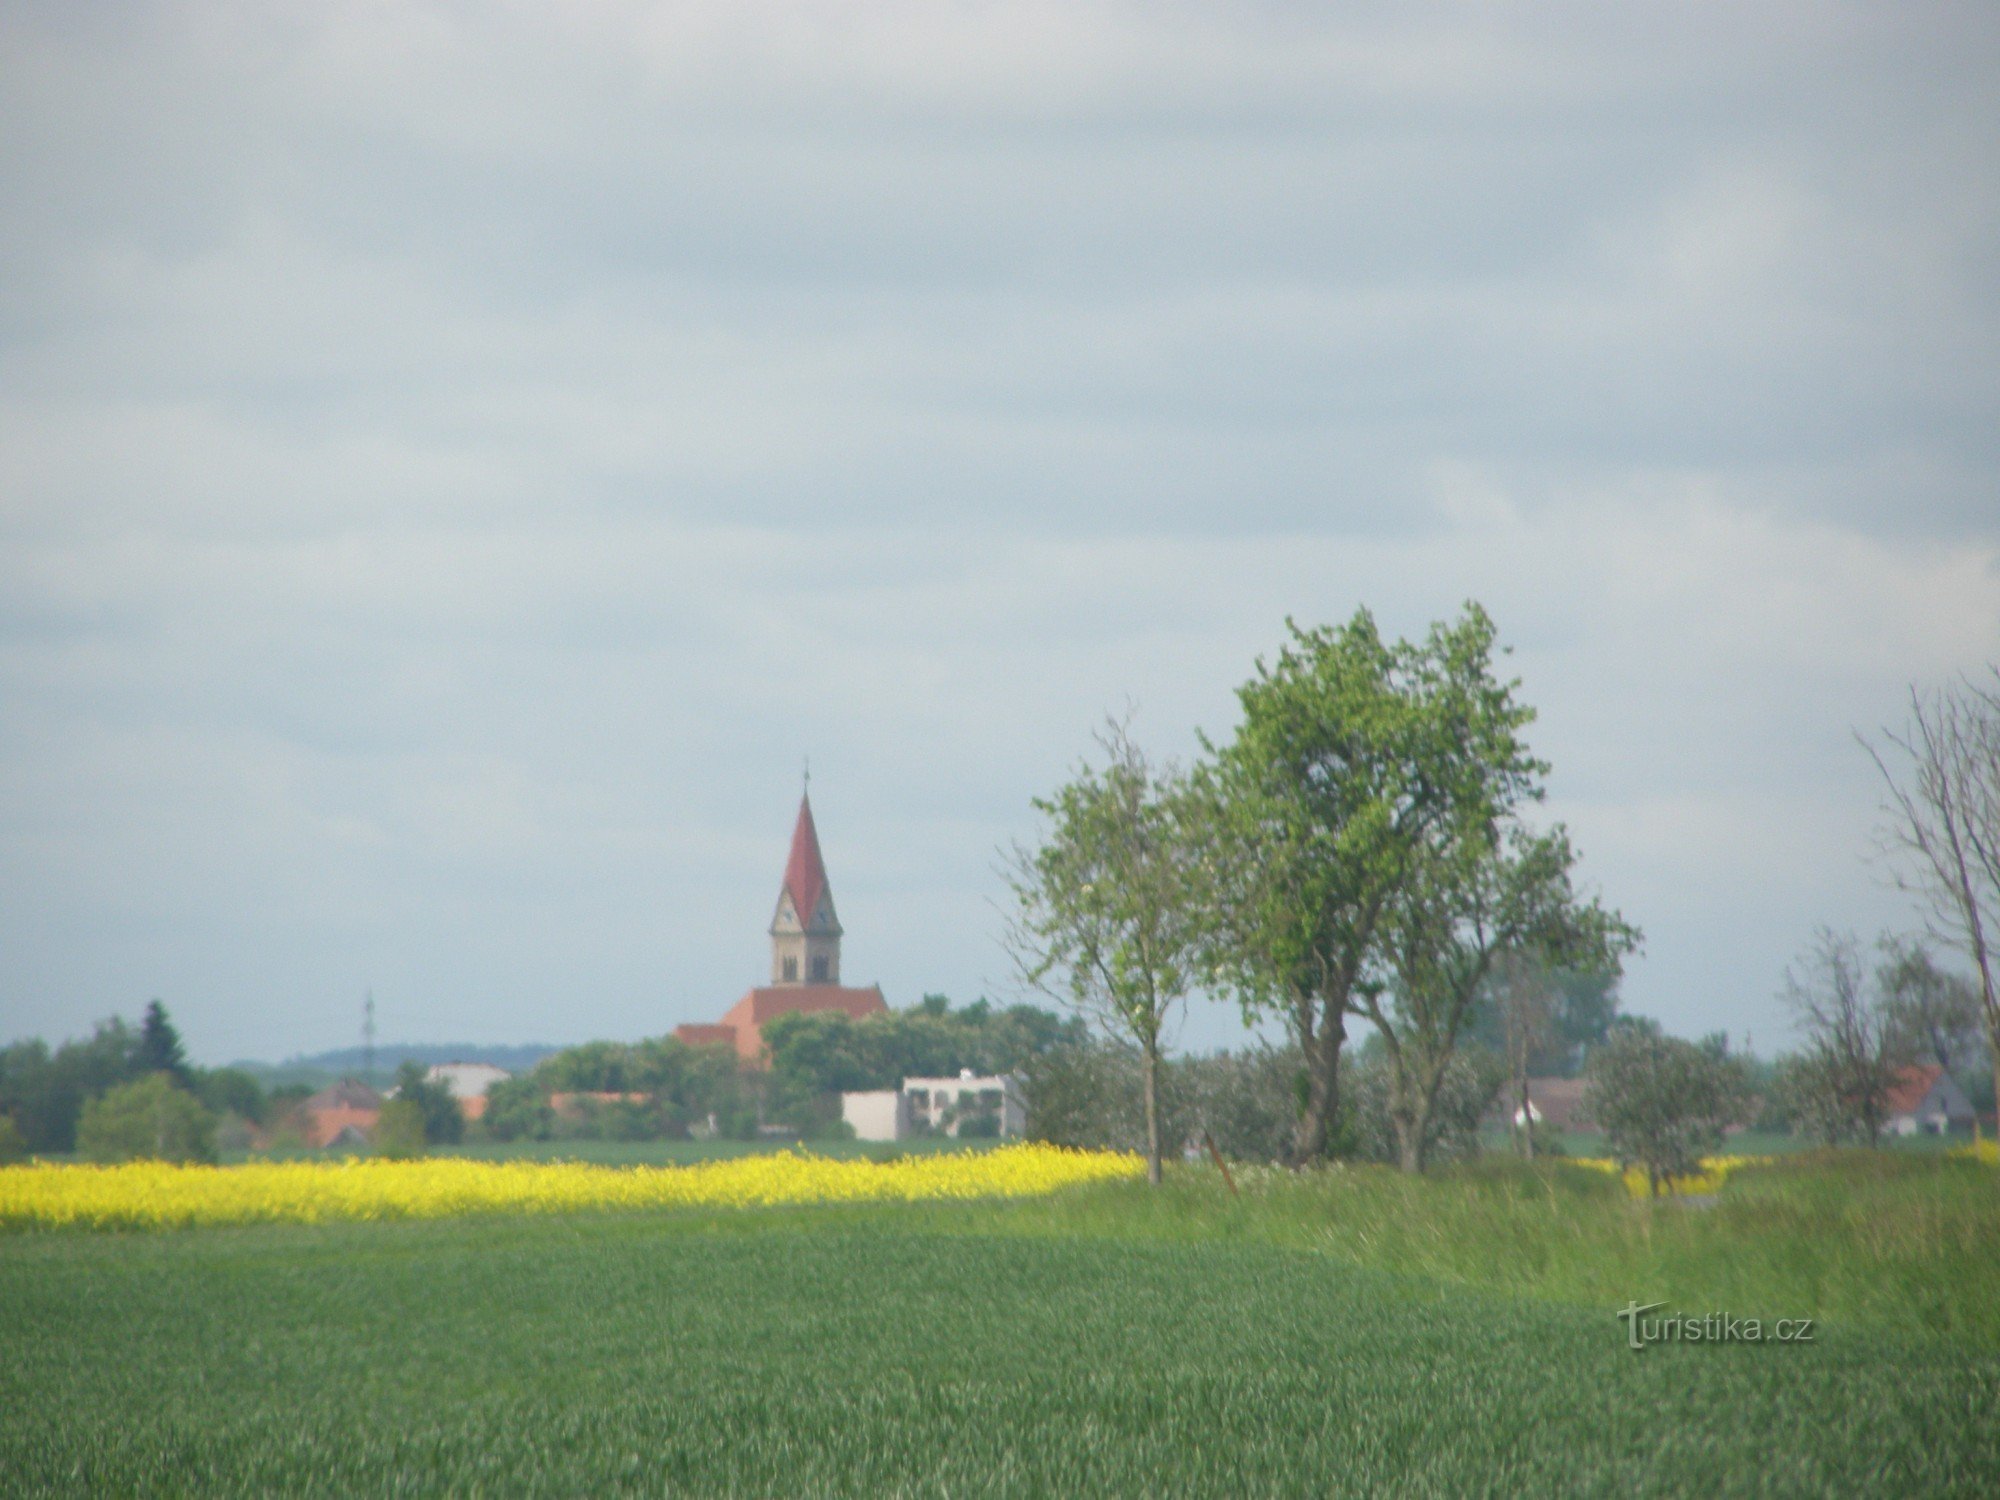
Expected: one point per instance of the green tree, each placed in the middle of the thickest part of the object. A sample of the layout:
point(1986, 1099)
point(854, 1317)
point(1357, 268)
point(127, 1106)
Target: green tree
point(518, 1110)
point(1663, 1103)
point(13, 1144)
point(444, 1122)
point(1103, 909)
point(46, 1092)
point(1353, 756)
point(231, 1091)
point(1473, 1077)
point(401, 1131)
point(1936, 1011)
point(1471, 896)
point(159, 1049)
point(149, 1117)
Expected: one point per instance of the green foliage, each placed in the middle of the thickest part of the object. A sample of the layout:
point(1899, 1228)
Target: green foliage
point(1934, 1011)
point(685, 1085)
point(829, 1052)
point(517, 1110)
point(13, 1144)
point(1247, 1102)
point(1470, 1082)
point(231, 1091)
point(1474, 899)
point(1356, 763)
point(443, 1121)
point(1583, 1007)
point(1105, 906)
point(1092, 1096)
point(1663, 1103)
point(159, 1048)
point(1325, 1333)
point(148, 1118)
point(45, 1092)
point(401, 1129)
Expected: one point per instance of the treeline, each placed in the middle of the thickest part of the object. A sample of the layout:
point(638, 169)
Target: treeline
point(664, 1089)
point(123, 1085)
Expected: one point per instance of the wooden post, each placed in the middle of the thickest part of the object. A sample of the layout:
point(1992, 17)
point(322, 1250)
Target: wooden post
point(1215, 1155)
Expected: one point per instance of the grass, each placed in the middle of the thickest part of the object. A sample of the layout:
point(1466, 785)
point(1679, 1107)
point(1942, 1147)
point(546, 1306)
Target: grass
point(1349, 1332)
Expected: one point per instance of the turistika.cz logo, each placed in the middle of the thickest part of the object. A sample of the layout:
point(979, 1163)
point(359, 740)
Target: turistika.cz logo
point(1709, 1328)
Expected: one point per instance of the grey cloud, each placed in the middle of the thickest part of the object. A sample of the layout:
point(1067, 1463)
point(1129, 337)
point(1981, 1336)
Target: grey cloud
point(453, 465)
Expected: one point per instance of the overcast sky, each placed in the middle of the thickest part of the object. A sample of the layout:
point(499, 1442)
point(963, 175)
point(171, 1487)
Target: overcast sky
point(456, 461)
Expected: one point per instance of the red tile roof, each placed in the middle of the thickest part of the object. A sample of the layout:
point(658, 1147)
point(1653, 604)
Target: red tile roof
point(701, 1034)
point(1911, 1086)
point(748, 1015)
point(805, 871)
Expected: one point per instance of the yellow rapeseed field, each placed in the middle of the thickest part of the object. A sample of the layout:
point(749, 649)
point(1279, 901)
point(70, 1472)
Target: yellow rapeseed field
point(157, 1195)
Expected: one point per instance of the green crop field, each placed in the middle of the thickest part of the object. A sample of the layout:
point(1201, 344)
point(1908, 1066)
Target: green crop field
point(1350, 1333)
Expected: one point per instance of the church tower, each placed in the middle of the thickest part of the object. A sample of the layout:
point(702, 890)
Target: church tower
point(805, 933)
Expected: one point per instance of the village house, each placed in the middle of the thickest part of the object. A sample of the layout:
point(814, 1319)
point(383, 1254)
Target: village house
point(344, 1112)
point(1927, 1101)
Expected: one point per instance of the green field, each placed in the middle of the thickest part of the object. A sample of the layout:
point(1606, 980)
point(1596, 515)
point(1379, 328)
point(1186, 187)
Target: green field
point(1348, 1333)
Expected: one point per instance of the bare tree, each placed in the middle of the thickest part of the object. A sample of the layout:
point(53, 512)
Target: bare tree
point(1853, 1045)
point(1527, 1001)
point(1941, 825)
point(1103, 914)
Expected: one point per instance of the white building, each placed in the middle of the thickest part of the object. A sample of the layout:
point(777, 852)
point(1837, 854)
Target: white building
point(468, 1083)
point(966, 1106)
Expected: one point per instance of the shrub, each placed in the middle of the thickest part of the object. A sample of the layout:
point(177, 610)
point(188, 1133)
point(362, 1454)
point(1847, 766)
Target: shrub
point(1247, 1101)
point(150, 1118)
point(517, 1110)
point(1472, 1079)
point(444, 1123)
point(399, 1130)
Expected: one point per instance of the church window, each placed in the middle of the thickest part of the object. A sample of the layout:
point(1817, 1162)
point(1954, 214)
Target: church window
point(819, 968)
point(791, 968)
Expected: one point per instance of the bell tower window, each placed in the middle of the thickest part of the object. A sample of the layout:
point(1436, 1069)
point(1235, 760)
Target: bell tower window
point(819, 968)
point(791, 970)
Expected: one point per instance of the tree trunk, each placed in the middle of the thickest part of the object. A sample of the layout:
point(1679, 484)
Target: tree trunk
point(1410, 1134)
point(1322, 1056)
point(1152, 1074)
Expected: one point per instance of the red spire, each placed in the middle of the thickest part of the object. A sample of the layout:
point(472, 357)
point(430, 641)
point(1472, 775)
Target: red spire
point(805, 873)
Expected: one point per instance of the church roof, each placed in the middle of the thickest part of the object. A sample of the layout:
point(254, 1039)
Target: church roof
point(759, 1005)
point(805, 871)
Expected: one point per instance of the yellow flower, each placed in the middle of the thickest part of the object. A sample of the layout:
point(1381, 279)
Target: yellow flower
point(1714, 1172)
point(158, 1195)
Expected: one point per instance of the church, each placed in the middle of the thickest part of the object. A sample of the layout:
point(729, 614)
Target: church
point(805, 956)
